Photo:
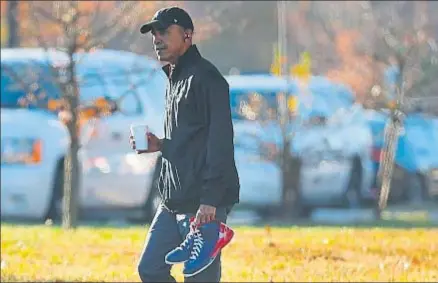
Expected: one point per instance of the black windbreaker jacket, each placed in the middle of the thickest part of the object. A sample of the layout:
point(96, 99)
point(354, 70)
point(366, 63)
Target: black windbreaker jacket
point(198, 164)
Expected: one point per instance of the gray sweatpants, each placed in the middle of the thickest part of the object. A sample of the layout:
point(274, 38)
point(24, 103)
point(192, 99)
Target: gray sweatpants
point(167, 231)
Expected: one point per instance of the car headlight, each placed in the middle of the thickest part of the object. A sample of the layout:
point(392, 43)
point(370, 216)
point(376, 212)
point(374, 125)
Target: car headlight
point(21, 150)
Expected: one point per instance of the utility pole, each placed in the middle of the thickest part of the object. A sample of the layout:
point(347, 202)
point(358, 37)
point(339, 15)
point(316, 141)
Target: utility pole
point(289, 192)
point(282, 52)
point(282, 35)
point(12, 14)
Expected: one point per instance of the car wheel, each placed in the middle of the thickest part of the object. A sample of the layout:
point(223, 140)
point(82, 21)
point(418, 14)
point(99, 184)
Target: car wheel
point(416, 191)
point(305, 211)
point(55, 207)
point(352, 197)
point(432, 187)
point(302, 210)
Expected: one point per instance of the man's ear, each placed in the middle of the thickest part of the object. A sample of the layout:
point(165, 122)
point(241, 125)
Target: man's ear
point(188, 33)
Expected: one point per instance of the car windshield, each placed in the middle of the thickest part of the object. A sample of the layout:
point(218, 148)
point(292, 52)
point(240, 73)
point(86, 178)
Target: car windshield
point(27, 85)
point(253, 105)
point(321, 100)
point(262, 106)
point(31, 84)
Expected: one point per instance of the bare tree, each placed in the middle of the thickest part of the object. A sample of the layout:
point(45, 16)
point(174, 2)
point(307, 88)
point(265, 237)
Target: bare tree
point(296, 24)
point(403, 40)
point(369, 42)
point(74, 27)
point(366, 42)
point(309, 36)
point(357, 43)
point(291, 50)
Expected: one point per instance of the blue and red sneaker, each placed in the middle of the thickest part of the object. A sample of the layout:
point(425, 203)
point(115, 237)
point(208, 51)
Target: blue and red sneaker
point(182, 253)
point(209, 240)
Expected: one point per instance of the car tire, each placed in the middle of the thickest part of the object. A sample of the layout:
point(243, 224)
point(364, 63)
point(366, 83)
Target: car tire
point(302, 210)
point(54, 211)
point(416, 191)
point(305, 211)
point(352, 196)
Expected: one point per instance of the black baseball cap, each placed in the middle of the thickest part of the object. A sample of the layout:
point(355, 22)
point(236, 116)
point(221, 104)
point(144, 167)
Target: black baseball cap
point(166, 17)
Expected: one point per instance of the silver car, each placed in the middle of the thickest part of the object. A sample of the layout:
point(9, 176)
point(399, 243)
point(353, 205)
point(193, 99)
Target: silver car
point(331, 142)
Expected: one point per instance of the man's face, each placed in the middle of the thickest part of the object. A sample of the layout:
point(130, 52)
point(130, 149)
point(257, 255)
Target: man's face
point(168, 43)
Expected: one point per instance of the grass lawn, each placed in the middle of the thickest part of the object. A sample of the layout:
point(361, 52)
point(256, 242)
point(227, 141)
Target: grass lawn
point(45, 253)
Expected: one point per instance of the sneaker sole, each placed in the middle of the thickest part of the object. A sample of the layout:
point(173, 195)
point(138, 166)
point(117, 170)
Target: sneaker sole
point(200, 270)
point(174, 262)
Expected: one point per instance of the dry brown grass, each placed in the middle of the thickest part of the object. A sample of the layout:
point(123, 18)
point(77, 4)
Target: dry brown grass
point(43, 253)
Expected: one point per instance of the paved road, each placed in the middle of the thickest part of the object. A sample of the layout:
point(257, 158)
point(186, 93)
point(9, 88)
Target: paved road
point(425, 214)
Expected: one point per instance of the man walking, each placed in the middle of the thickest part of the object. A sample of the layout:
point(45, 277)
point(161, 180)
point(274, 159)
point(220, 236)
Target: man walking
point(198, 175)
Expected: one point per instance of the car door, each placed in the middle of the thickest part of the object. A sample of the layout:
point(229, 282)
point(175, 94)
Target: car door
point(309, 143)
point(259, 176)
point(114, 175)
point(323, 172)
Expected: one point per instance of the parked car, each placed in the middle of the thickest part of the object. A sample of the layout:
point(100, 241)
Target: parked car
point(415, 176)
point(34, 142)
point(336, 167)
point(260, 177)
point(331, 141)
point(333, 144)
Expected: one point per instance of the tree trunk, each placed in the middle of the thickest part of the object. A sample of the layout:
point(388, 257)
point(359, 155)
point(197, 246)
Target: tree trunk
point(72, 167)
point(391, 135)
point(13, 31)
point(71, 188)
point(289, 182)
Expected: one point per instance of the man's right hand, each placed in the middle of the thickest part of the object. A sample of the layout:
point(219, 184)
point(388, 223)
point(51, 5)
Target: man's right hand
point(154, 144)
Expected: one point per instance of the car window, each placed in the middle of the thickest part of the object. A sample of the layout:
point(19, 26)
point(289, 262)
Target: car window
point(126, 90)
point(27, 84)
point(114, 86)
point(316, 121)
point(92, 86)
point(253, 105)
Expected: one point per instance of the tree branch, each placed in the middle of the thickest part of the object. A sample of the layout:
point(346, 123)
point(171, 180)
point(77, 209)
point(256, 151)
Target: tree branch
point(42, 43)
point(96, 15)
point(45, 14)
point(112, 27)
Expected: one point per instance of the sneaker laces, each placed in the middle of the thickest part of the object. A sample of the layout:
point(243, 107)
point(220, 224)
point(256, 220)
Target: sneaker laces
point(187, 240)
point(197, 246)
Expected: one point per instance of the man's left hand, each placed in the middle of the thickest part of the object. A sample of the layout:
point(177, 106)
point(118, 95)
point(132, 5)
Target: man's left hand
point(205, 214)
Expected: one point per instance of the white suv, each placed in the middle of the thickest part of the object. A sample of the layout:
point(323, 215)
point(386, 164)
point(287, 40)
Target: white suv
point(34, 142)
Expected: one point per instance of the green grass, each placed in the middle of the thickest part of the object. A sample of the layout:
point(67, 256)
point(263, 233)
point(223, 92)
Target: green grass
point(47, 253)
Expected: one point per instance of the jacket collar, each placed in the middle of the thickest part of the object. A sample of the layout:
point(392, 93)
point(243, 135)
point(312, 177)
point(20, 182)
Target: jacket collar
point(186, 59)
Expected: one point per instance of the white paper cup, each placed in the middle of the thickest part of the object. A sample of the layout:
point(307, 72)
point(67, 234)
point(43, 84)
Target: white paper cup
point(139, 131)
